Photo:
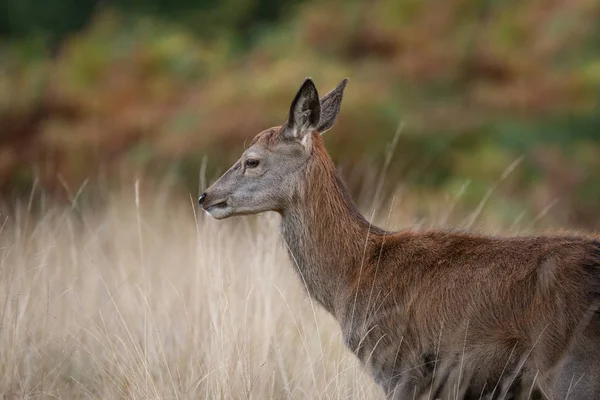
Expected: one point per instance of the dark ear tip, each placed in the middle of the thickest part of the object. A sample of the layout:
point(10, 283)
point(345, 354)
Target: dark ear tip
point(308, 83)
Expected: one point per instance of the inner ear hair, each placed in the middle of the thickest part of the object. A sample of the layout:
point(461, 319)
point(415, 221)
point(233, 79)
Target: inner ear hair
point(305, 111)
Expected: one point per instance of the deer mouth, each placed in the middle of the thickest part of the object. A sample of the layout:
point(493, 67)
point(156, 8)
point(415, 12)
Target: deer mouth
point(216, 206)
point(219, 210)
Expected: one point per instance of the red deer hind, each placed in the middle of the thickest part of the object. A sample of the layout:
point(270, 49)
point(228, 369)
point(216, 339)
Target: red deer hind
point(429, 313)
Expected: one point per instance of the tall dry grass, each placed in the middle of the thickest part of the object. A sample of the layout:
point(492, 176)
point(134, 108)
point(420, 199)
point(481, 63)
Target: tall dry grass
point(140, 299)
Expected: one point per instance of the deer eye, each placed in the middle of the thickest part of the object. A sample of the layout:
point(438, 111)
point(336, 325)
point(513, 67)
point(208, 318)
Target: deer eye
point(251, 163)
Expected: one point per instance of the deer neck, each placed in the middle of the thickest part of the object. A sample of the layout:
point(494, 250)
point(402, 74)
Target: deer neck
point(325, 234)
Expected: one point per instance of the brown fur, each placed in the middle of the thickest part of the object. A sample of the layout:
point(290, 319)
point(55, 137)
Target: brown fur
point(487, 300)
point(444, 313)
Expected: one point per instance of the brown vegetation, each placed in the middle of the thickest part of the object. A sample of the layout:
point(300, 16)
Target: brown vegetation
point(473, 83)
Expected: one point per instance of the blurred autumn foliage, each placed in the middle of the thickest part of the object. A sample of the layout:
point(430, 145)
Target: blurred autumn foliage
point(152, 88)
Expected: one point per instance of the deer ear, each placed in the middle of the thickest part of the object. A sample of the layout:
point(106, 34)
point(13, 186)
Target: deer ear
point(330, 107)
point(305, 111)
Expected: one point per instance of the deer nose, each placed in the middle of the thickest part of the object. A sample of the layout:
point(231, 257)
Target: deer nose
point(202, 198)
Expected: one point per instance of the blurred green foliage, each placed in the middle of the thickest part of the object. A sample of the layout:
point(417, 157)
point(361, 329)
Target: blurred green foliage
point(93, 88)
point(53, 20)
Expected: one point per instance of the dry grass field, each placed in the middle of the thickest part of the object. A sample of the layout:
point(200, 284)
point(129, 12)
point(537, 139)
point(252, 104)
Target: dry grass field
point(143, 299)
point(135, 295)
point(127, 293)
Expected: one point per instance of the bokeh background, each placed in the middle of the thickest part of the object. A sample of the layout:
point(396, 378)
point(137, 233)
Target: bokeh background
point(114, 114)
point(99, 91)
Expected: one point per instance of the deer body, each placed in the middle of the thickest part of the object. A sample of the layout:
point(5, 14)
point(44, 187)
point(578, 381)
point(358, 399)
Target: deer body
point(429, 313)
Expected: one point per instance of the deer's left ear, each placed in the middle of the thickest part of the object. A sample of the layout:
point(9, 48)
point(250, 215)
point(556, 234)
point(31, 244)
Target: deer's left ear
point(305, 111)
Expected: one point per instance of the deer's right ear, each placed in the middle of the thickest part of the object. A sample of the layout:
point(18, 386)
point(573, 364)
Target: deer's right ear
point(330, 107)
point(305, 111)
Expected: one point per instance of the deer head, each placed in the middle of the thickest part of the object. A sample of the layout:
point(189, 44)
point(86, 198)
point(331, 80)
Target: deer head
point(269, 172)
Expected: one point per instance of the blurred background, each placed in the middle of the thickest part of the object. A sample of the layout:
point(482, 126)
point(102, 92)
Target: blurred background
point(114, 114)
point(499, 100)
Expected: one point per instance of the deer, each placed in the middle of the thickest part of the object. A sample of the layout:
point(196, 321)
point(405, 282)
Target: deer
point(430, 313)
